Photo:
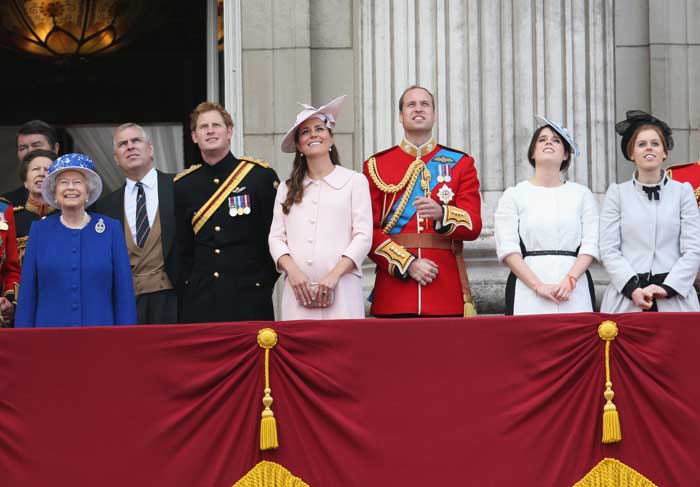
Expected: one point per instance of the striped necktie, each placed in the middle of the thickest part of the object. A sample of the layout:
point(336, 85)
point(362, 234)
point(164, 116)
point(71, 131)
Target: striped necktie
point(142, 227)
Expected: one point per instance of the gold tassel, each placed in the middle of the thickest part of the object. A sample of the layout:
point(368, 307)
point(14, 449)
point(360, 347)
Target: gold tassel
point(469, 306)
point(267, 339)
point(611, 419)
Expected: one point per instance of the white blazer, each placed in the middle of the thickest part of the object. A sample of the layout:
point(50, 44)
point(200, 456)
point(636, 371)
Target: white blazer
point(639, 235)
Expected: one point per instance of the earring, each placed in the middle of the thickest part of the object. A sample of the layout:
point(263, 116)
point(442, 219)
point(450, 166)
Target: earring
point(330, 149)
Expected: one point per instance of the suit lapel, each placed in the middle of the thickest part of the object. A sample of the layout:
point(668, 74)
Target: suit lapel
point(166, 207)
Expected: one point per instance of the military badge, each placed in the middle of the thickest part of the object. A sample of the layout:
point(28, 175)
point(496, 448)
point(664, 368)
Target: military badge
point(444, 159)
point(445, 194)
point(3, 223)
point(100, 226)
point(444, 172)
point(238, 189)
point(239, 205)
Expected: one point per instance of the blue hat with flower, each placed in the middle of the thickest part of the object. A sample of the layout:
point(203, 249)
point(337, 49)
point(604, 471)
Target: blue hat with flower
point(542, 121)
point(72, 162)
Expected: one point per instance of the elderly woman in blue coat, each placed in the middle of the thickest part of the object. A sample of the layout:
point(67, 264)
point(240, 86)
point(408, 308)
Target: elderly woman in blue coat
point(76, 268)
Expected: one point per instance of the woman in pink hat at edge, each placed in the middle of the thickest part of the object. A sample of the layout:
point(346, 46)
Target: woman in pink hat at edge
point(322, 225)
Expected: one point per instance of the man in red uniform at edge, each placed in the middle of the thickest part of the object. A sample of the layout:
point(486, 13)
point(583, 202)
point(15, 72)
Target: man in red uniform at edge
point(425, 202)
point(9, 264)
point(689, 173)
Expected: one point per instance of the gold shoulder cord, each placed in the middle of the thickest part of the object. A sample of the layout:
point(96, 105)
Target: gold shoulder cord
point(407, 182)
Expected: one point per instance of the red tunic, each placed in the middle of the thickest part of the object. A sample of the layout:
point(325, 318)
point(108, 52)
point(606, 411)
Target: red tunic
point(9, 261)
point(687, 173)
point(454, 185)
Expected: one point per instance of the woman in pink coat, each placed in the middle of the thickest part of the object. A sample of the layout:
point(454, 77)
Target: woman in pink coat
point(322, 224)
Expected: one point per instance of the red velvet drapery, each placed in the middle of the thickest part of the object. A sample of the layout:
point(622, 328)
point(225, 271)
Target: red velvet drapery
point(489, 401)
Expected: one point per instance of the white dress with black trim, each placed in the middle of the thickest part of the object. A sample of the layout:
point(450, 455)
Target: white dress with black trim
point(549, 227)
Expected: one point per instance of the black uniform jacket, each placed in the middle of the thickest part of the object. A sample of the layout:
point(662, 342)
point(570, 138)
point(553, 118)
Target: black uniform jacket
point(112, 205)
point(228, 273)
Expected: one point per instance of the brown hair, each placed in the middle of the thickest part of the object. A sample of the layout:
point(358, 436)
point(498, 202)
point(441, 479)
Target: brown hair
point(415, 87)
point(24, 165)
point(633, 139)
point(209, 106)
point(295, 183)
point(533, 142)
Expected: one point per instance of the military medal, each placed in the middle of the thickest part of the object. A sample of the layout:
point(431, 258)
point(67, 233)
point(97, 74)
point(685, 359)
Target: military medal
point(246, 204)
point(232, 206)
point(100, 226)
point(444, 173)
point(445, 194)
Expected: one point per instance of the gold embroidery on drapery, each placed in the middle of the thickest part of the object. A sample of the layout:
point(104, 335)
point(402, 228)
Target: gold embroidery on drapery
point(267, 339)
point(611, 420)
point(270, 474)
point(613, 473)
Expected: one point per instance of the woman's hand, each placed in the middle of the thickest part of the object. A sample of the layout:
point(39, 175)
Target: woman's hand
point(656, 291)
point(326, 288)
point(301, 285)
point(548, 291)
point(643, 298)
point(563, 290)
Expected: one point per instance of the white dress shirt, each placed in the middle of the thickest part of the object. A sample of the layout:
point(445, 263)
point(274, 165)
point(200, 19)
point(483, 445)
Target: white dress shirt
point(150, 188)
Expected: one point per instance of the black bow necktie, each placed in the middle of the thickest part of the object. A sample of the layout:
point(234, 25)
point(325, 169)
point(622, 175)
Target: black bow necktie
point(652, 190)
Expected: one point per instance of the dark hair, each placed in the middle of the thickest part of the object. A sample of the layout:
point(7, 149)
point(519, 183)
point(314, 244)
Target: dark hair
point(24, 165)
point(415, 87)
point(38, 127)
point(533, 142)
point(295, 183)
point(633, 138)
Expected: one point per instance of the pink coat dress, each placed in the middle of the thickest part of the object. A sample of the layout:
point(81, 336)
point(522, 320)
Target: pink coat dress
point(334, 219)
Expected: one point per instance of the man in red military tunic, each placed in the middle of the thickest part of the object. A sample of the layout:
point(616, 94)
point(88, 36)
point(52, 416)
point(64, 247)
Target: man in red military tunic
point(425, 203)
point(9, 264)
point(688, 173)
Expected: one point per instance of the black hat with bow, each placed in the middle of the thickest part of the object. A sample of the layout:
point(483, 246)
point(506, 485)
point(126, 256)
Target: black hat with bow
point(636, 118)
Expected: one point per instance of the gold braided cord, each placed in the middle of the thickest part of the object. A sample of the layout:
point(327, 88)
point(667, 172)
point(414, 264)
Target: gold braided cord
point(613, 473)
point(392, 188)
point(416, 169)
point(269, 474)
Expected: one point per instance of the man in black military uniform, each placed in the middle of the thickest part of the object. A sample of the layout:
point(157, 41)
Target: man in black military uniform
point(223, 211)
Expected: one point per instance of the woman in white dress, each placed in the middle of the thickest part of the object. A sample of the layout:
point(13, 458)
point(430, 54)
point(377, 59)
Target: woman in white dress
point(547, 231)
point(649, 227)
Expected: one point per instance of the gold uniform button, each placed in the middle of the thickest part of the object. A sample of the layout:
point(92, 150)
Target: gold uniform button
point(216, 274)
point(217, 251)
point(217, 228)
point(216, 181)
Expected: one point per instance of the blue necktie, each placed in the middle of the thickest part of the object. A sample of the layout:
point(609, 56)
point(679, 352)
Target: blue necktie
point(142, 227)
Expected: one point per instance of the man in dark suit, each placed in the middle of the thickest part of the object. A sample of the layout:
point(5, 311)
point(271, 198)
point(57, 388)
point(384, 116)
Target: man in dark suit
point(32, 135)
point(145, 206)
point(223, 213)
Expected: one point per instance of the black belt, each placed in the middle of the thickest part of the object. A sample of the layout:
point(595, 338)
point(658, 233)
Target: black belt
point(531, 253)
point(648, 278)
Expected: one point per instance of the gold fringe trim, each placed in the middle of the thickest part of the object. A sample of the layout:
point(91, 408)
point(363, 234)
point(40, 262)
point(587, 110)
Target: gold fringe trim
point(611, 420)
point(269, 474)
point(254, 161)
point(187, 171)
point(267, 339)
point(613, 473)
point(469, 307)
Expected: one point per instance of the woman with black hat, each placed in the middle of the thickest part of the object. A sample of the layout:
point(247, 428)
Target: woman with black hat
point(546, 231)
point(649, 227)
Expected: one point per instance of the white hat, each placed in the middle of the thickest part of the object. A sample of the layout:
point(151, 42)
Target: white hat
point(541, 121)
point(328, 113)
point(71, 162)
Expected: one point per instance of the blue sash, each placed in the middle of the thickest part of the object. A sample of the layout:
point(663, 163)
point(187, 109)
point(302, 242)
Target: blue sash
point(443, 156)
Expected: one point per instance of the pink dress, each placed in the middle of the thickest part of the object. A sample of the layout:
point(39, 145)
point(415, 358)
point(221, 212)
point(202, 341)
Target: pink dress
point(334, 219)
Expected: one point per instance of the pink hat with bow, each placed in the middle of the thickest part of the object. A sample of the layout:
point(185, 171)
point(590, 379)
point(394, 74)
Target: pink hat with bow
point(328, 113)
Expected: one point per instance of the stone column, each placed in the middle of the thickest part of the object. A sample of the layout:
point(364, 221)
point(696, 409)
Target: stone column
point(492, 67)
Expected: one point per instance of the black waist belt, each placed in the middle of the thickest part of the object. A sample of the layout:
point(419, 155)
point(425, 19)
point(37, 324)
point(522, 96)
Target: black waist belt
point(531, 253)
point(648, 278)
